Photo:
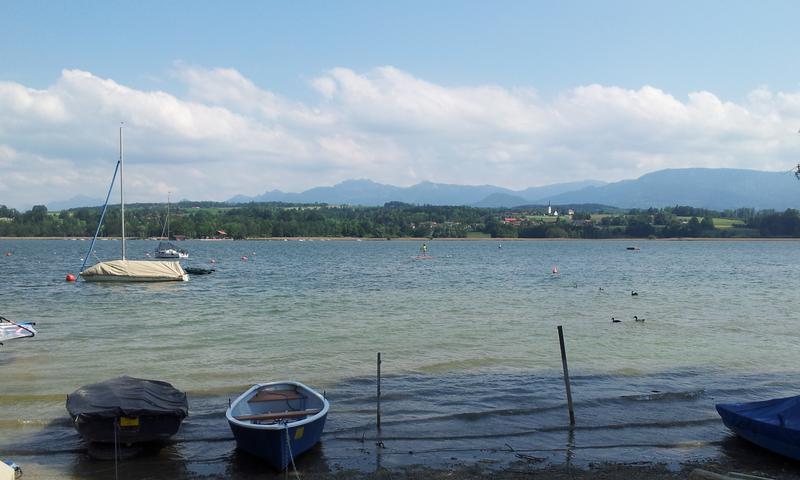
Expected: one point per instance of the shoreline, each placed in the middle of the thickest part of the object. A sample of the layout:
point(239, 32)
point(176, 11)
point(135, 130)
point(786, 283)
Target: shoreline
point(726, 469)
point(425, 239)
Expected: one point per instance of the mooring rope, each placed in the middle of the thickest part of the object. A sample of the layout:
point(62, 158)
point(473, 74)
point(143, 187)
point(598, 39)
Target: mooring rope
point(291, 456)
point(116, 470)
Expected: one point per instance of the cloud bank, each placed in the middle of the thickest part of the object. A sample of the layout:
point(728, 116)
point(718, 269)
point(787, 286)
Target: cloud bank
point(225, 135)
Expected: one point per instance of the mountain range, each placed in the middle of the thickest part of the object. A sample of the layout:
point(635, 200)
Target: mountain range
point(369, 193)
point(713, 188)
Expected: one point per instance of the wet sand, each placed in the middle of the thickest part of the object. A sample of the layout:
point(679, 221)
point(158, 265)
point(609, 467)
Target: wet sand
point(523, 471)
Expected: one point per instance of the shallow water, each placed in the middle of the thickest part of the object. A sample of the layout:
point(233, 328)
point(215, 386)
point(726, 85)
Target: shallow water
point(468, 339)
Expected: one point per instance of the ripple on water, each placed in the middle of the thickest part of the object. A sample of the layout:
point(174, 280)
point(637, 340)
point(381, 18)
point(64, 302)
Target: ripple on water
point(468, 340)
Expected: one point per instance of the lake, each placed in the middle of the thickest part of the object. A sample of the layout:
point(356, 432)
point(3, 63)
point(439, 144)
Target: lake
point(470, 351)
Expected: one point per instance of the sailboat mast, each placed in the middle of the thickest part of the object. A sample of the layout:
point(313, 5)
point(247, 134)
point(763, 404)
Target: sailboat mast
point(121, 192)
point(168, 216)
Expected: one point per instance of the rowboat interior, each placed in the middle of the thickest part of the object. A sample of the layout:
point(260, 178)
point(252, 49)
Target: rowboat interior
point(277, 403)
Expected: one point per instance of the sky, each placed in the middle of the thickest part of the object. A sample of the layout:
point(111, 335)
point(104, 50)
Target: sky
point(227, 98)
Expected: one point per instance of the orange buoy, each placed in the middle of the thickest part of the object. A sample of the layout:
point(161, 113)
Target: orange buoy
point(70, 277)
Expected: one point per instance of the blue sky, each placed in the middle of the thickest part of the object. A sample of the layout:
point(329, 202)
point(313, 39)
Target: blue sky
point(299, 94)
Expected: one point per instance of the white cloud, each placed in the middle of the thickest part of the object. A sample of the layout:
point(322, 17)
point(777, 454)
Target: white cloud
point(226, 135)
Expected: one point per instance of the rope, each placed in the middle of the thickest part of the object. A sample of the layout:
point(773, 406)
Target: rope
point(116, 471)
point(102, 215)
point(291, 456)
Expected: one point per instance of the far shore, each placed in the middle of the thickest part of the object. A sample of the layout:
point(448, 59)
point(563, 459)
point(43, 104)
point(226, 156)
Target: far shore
point(423, 239)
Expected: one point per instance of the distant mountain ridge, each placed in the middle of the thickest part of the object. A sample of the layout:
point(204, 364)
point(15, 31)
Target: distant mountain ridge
point(712, 188)
point(75, 202)
point(368, 193)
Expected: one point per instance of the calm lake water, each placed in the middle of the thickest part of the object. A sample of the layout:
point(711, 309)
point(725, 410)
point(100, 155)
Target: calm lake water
point(468, 339)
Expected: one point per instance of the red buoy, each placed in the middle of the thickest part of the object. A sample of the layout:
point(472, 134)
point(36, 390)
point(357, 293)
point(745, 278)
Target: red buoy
point(70, 277)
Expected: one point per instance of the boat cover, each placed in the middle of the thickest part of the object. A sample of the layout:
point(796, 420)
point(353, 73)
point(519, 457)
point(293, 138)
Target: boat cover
point(144, 270)
point(127, 397)
point(778, 412)
point(199, 271)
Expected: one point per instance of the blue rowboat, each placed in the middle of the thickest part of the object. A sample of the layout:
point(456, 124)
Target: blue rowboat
point(771, 424)
point(278, 421)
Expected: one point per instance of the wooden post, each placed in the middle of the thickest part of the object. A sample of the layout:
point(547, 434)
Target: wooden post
point(566, 375)
point(379, 392)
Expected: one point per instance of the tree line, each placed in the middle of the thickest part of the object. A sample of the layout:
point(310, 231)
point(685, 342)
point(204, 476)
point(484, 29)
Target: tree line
point(394, 219)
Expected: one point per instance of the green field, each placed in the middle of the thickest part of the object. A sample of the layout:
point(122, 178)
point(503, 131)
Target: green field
point(721, 223)
point(545, 218)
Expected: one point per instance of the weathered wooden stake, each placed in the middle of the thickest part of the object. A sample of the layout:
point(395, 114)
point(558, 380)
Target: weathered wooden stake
point(566, 375)
point(379, 391)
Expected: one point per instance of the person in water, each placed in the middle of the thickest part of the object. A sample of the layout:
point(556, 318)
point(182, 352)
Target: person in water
point(423, 249)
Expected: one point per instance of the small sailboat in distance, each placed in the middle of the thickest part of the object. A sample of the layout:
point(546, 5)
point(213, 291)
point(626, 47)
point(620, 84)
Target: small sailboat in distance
point(167, 249)
point(124, 270)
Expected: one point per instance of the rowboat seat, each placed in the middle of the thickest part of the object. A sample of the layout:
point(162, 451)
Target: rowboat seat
point(279, 415)
point(271, 395)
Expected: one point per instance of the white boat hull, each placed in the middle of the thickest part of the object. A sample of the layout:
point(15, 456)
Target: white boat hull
point(171, 255)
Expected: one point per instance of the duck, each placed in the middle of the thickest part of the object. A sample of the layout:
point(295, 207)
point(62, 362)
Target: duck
point(637, 319)
point(634, 293)
point(614, 320)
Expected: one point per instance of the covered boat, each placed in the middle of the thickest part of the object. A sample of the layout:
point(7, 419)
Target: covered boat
point(771, 424)
point(127, 410)
point(9, 470)
point(135, 271)
point(199, 271)
point(125, 270)
point(12, 330)
point(278, 421)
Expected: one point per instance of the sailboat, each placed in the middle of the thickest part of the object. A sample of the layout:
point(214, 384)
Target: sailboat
point(124, 270)
point(168, 249)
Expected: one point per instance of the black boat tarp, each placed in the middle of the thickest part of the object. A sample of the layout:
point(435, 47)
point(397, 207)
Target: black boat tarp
point(127, 397)
point(127, 409)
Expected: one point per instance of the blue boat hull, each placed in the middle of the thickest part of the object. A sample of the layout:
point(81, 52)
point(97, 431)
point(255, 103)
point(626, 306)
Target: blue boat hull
point(271, 445)
point(770, 424)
